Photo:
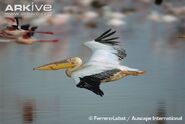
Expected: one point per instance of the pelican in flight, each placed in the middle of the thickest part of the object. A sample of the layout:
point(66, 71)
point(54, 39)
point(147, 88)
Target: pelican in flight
point(103, 66)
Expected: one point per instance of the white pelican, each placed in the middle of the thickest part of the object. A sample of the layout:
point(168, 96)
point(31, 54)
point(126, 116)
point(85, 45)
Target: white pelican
point(103, 66)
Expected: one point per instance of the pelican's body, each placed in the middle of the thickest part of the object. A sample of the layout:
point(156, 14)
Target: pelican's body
point(103, 66)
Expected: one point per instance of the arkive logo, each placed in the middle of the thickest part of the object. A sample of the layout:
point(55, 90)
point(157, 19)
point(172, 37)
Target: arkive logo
point(32, 7)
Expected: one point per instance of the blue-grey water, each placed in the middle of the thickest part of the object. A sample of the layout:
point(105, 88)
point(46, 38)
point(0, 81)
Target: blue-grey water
point(57, 100)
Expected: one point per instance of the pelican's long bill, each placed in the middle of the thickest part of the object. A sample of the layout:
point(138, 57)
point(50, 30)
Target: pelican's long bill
point(65, 64)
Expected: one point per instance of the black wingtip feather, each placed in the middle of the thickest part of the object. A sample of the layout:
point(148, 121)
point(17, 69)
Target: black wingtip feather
point(106, 34)
point(110, 39)
point(103, 34)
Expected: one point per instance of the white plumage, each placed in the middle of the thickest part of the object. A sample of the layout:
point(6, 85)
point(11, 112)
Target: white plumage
point(103, 58)
point(103, 66)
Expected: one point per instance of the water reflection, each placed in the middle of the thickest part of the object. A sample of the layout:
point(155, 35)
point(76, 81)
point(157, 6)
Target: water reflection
point(161, 112)
point(28, 111)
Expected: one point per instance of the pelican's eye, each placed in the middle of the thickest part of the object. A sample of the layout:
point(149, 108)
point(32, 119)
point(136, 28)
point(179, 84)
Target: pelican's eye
point(72, 61)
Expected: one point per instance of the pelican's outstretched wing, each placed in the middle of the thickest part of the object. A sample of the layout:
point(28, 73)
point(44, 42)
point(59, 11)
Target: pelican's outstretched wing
point(103, 64)
point(106, 49)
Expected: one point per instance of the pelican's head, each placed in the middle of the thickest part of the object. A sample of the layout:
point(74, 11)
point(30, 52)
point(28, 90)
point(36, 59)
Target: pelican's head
point(69, 64)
